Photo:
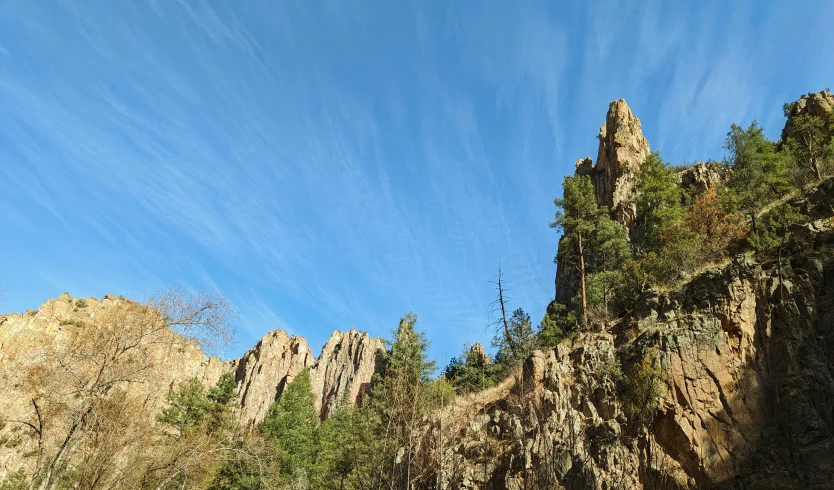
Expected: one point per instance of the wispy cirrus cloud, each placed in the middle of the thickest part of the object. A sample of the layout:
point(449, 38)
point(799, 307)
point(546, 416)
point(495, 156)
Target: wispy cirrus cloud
point(332, 165)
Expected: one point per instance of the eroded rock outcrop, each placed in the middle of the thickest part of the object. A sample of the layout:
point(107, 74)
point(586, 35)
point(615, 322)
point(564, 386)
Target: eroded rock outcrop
point(346, 364)
point(622, 149)
point(703, 176)
point(819, 104)
point(264, 371)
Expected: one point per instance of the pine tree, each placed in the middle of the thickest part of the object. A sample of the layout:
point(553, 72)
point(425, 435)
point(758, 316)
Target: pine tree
point(810, 148)
point(471, 372)
point(579, 211)
point(759, 173)
point(550, 331)
point(519, 341)
point(592, 242)
point(291, 422)
point(659, 208)
point(339, 445)
point(400, 397)
point(187, 407)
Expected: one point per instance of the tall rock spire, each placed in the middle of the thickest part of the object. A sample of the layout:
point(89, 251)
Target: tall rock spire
point(622, 149)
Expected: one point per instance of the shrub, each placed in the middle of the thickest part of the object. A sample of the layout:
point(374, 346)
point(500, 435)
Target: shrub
point(642, 391)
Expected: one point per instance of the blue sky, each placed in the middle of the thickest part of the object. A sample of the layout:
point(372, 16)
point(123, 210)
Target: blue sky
point(333, 165)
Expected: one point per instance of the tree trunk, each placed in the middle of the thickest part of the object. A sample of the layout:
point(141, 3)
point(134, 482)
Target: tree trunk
point(504, 313)
point(582, 283)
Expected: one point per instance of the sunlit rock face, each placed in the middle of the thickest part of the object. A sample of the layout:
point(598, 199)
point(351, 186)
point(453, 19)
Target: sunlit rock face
point(346, 365)
point(747, 355)
point(819, 104)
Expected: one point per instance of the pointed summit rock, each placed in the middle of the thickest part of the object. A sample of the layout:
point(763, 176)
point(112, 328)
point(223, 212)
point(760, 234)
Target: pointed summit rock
point(346, 364)
point(622, 149)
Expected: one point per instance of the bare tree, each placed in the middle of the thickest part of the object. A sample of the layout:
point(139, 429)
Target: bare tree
point(499, 306)
point(87, 415)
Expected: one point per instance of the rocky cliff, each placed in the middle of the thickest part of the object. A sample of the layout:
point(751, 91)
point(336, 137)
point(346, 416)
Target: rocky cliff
point(622, 149)
point(744, 358)
point(345, 365)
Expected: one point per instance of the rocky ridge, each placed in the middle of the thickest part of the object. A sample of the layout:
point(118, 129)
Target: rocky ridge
point(345, 365)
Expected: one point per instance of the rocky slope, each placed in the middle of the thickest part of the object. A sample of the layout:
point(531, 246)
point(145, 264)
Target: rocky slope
point(743, 356)
point(746, 356)
point(346, 363)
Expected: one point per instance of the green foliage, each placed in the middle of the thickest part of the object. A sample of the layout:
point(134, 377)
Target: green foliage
point(579, 209)
point(187, 407)
point(401, 396)
point(470, 373)
point(81, 303)
point(555, 321)
point(518, 342)
point(190, 408)
point(659, 208)
point(604, 241)
point(810, 149)
point(642, 391)
point(291, 422)
point(609, 251)
point(775, 229)
point(759, 173)
point(339, 444)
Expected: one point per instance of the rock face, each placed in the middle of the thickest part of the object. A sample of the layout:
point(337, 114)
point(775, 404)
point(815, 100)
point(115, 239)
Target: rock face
point(820, 104)
point(622, 149)
point(346, 364)
point(345, 367)
point(703, 176)
point(746, 356)
point(264, 371)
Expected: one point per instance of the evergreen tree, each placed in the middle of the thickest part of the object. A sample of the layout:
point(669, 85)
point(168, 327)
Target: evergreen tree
point(400, 397)
point(609, 250)
point(518, 343)
point(810, 147)
point(550, 331)
point(471, 372)
point(579, 211)
point(592, 242)
point(340, 444)
point(291, 422)
point(187, 407)
point(659, 208)
point(759, 173)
